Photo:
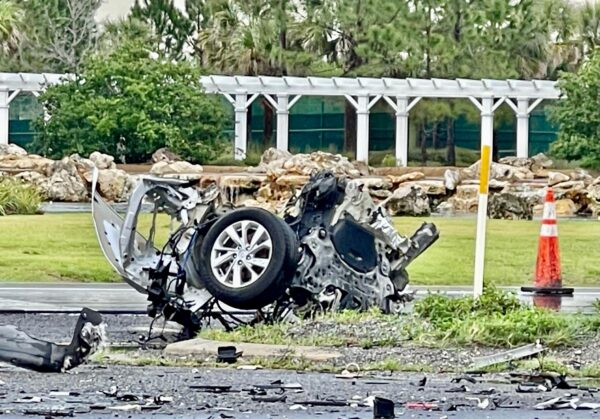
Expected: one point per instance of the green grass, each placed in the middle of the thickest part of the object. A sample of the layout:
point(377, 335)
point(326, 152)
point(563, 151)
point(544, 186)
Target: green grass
point(511, 251)
point(54, 247)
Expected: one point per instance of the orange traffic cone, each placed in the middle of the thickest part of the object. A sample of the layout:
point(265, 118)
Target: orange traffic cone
point(548, 279)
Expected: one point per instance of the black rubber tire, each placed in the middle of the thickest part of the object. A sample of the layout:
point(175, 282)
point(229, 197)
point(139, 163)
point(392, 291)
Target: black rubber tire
point(277, 275)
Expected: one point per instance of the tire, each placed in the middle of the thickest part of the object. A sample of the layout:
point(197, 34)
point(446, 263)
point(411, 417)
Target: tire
point(242, 274)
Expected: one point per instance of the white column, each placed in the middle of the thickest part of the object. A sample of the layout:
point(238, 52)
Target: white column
point(241, 124)
point(522, 127)
point(4, 116)
point(282, 122)
point(402, 131)
point(362, 128)
point(487, 139)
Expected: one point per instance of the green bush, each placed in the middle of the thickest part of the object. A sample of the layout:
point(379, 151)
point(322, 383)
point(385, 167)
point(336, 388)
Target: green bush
point(129, 104)
point(17, 197)
point(578, 115)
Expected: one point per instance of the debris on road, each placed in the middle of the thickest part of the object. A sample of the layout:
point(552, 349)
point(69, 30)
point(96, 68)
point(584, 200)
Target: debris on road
point(228, 354)
point(383, 408)
point(558, 403)
point(22, 350)
point(506, 356)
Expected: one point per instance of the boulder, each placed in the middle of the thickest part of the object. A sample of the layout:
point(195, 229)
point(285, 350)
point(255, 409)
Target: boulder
point(565, 208)
point(176, 169)
point(430, 187)
point(463, 205)
point(451, 179)
point(407, 177)
point(593, 192)
point(540, 162)
point(31, 162)
point(583, 176)
point(380, 193)
point(12, 150)
point(112, 184)
point(556, 177)
point(407, 200)
point(375, 183)
point(164, 154)
point(466, 192)
point(35, 178)
point(278, 163)
point(293, 181)
point(445, 208)
point(65, 184)
point(498, 171)
point(274, 154)
point(103, 161)
point(506, 206)
point(85, 167)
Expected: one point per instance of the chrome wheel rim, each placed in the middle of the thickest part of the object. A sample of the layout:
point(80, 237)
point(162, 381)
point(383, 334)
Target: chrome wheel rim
point(241, 254)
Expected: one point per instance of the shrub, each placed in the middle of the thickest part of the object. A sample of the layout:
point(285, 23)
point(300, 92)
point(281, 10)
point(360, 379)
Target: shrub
point(128, 104)
point(17, 197)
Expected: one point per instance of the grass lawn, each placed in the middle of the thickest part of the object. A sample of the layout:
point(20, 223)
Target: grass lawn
point(56, 247)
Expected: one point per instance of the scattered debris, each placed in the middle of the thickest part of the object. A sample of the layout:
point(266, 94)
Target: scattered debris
point(383, 408)
point(460, 389)
point(532, 388)
point(250, 367)
point(29, 399)
point(422, 406)
point(297, 407)
point(269, 399)
point(481, 403)
point(506, 356)
point(228, 354)
point(210, 389)
point(558, 403)
point(468, 378)
point(22, 350)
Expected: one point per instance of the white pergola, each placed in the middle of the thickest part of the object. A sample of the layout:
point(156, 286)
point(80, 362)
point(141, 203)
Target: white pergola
point(363, 93)
point(11, 84)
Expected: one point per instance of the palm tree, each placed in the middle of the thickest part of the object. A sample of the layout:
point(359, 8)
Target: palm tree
point(11, 21)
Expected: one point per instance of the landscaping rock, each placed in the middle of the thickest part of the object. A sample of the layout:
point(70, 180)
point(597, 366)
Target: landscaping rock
point(498, 171)
point(293, 181)
point(164, 154)
point(375, 183)
point(507, 206)
point(12, 150)
point(31, 162)
point(556, 177)
point(103, 161)
point(407, 200)
point(462, 205)
point(467, 191)
point(451, 179)
point(278, 163)
point(565, 208)
point(407, 177)
point(65, 184)
point(583, 176)
point(174, 169)
point(430, 187)
point(112, 184)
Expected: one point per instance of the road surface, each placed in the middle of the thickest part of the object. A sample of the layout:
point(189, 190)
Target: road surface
point(121, 297)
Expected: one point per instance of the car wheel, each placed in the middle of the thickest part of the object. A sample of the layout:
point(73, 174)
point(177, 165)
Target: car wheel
point(248, 258)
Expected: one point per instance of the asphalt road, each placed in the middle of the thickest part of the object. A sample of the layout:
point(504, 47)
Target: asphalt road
point(118, 391)
point(119, 296)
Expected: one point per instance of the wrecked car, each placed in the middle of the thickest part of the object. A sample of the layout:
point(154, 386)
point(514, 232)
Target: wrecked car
point(332, 249)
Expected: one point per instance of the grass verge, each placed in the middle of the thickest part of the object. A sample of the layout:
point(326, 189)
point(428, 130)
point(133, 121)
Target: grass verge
point(54, 247)
point(496, 320)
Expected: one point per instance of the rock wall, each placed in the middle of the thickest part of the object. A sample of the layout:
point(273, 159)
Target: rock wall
point(516, 187)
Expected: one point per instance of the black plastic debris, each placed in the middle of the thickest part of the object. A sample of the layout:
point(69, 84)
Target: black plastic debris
point(270, 399)
point(210, 389)
point(383, 408)
point(467, 378)
point(324, 402)
point(421, 382)
point(228, 354)
point(460, 389)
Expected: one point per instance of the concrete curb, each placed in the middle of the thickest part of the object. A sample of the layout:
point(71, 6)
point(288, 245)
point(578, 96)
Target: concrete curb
point(203, 347)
